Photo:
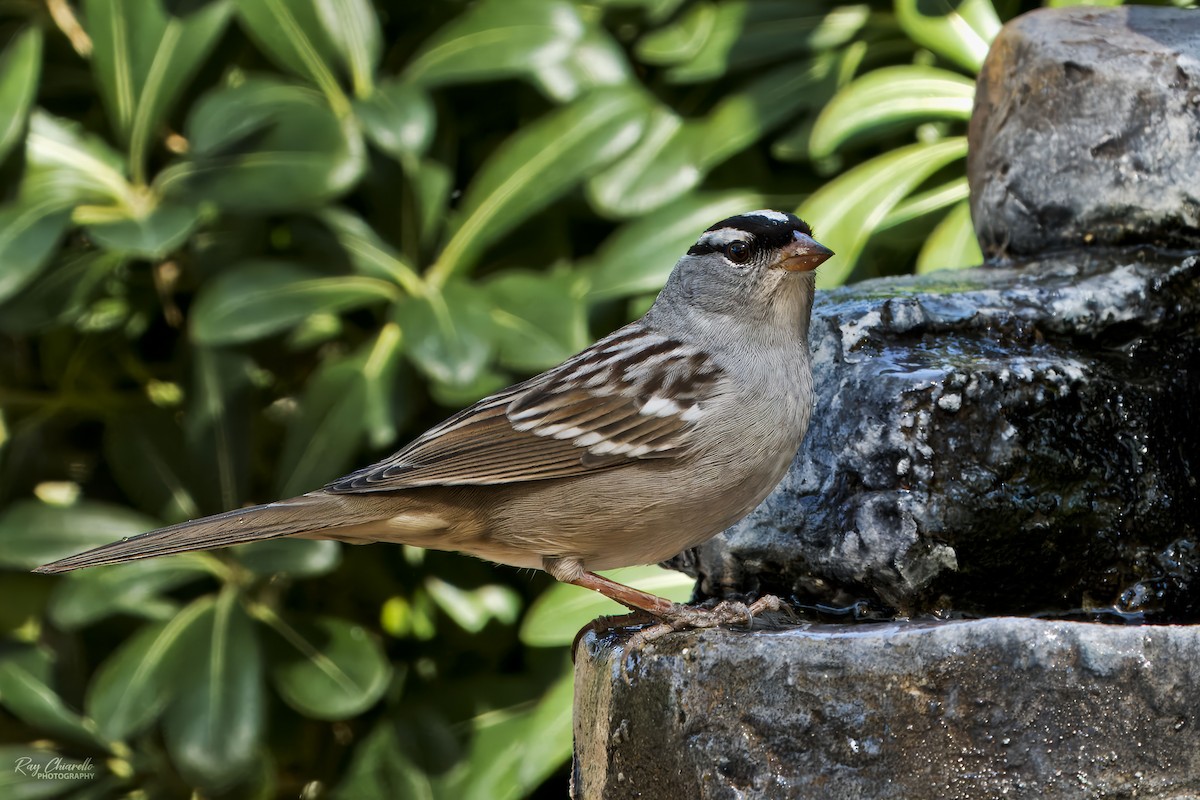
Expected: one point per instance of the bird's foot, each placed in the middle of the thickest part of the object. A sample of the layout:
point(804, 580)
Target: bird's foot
point(682, 617)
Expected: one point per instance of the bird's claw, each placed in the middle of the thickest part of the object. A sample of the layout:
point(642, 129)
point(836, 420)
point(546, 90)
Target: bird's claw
point(684, 617)
point(679, 617)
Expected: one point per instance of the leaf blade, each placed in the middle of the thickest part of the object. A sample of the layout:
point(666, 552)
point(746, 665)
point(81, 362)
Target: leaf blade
point(260, 298)
point(886, 99)
point(536, 166)
point(847, 210)
point(20, 69)
point(952, 245)
point(336, 670)
point(133, 685)
point(33, 533)
point(214, 724)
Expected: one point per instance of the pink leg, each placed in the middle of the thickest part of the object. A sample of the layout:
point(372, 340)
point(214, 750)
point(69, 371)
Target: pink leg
point(625, 595)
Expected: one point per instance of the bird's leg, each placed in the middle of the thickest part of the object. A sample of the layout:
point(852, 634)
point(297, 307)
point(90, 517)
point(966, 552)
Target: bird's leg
point(631, 598)
point(674, 616)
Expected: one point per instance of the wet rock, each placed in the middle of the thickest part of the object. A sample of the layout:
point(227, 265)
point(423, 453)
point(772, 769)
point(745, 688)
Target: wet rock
point(1085, 131)
point(987, 708)
point(991, 441)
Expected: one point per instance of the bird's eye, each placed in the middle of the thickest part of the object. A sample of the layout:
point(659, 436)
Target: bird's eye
point(738, 252)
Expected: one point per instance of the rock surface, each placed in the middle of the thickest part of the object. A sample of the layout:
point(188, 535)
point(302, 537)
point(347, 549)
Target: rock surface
point(987, 708)
point(992, 441)
point(1086, 130)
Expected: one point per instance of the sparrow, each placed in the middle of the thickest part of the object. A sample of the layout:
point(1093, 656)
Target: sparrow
point(649, 442)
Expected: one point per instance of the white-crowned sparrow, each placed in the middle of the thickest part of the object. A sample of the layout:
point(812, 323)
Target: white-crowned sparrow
point(651, 441)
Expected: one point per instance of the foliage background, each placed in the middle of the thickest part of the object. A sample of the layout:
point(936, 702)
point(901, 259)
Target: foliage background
point(247, 245)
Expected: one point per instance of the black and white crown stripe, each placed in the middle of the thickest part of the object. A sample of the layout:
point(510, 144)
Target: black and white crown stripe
point(765, 229)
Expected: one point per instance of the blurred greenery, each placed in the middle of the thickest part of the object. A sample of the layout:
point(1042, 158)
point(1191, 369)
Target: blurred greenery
point(247, 245)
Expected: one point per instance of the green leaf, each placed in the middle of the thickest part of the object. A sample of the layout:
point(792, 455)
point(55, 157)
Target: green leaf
point(265, 146)
point(345, 400)
point(36, 772)
point(144, 58)
point(152, 236)
point(952, 245)
point(673, 156)
point(294, 35)
point(538, 320)
point(717, 36)
point(20, 67)
point(847, 210)
point(356, 34)
point(680, 40)
point(26, 692)
point(453, 395)
point(595, 61)
point(793, 144)
point(29, 235)
point(135, 588)
point(432, 184)
point(665, 163)
point(254, 299)
point(214, 726)
point(217, 426)
point(60, 294)
point(335, 670)
point(369, 254)
point(473, 609)
point(930, 201)
point(960, 33)
point(33, 533)
point(66, 166)
point(536, 166)
point(559, 612)
point(741, 118)
point(381, 768)
point(298, 558)
point(135, 683)
point(640, 255)
point(498, 39)
point(749, 34)
point(448, 334)
point(886, 99)
point(514, 750)
point(145, 451)
point(409, 620)
point(398, 118)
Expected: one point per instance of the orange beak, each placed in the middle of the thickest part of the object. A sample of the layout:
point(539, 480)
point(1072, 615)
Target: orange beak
point(803, 255)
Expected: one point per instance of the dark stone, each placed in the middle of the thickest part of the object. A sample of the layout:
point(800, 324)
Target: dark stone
point(987, 708)
point(1086, 130)
point(992, 441)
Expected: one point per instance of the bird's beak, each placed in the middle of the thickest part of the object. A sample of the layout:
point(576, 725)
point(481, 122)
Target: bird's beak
point(803, 255)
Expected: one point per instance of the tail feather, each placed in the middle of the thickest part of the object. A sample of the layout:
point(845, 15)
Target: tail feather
point(299, 515)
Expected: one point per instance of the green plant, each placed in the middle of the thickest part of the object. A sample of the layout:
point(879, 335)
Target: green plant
point(246, 245)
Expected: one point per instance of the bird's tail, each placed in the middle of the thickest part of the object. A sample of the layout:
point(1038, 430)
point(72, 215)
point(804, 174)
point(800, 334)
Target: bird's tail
point(306, 514)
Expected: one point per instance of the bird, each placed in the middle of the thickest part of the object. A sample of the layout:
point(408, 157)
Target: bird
point(645, 444)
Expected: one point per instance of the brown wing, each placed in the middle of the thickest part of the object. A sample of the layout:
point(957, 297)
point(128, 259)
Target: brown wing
point(632, 395)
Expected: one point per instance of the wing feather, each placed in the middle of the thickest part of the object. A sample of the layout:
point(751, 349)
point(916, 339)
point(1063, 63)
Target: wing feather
point(632, 395)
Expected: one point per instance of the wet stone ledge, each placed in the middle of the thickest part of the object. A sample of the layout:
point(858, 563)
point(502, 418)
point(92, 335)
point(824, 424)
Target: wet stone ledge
point(999, 707)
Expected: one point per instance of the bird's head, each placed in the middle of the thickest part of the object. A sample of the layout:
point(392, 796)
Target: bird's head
point(752, 266)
